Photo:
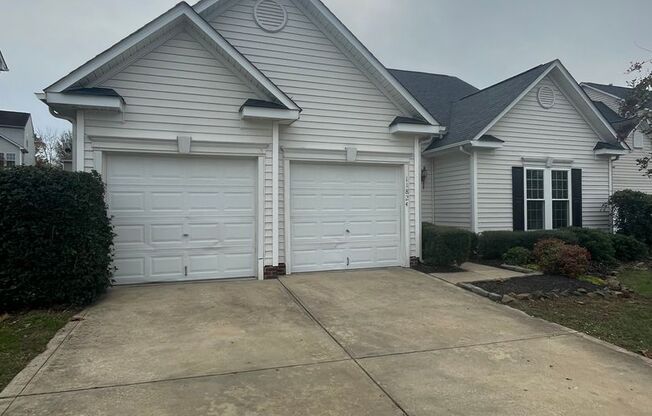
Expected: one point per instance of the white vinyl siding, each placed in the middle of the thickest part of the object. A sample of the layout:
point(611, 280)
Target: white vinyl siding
point(626, 173)
point(452, 190)
point(340, 106)
point(608, 100)
point(428, 192)
point(528, 130)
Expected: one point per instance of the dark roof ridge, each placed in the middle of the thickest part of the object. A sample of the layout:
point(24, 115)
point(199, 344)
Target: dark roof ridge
point(507, 79)
point(424, 73)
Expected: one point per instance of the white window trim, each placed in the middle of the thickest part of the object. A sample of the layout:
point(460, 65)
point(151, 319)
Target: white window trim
point(15, 159)
point(547, 196)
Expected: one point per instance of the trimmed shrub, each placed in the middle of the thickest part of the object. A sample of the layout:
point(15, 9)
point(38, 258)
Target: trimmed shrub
point(446, 246)
point(632, 212)
point(56, 246)
point(493, 244)
point(628, 248)
point(599, 244)
point(546, 254)
point(517, 256)
point(573, 261)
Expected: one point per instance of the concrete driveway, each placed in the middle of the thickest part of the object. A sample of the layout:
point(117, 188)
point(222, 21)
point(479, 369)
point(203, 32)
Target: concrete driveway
point(381, 342)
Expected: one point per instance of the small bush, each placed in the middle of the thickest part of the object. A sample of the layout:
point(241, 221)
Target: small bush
point(56, 246)
point(546, 254)
point(628, 248)
point(446, 246)
point(632, 212)
point(493, 244)
point(517, 256)
point(573, 261)
point(599, 244)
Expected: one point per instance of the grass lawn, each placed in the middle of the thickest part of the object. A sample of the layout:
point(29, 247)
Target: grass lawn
point(25, 335)
point(623, 322)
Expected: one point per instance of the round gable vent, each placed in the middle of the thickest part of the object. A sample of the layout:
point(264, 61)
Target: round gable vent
point(546, 97)
point(270, 15)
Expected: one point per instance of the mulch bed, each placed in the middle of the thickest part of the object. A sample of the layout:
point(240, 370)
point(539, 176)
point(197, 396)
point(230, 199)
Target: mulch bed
point(427, 269)
point(533, 284)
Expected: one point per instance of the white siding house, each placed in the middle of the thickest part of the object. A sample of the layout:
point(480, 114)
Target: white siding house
point(634, 133)
point(17, 145)
point(249, 139)
point(530, 152)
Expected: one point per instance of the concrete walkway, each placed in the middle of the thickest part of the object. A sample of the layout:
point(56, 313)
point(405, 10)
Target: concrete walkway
point(476, 273)
point(383, 342)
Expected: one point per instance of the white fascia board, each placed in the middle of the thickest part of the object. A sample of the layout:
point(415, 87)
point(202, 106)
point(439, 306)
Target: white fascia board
point(274, 114)
point(171, 17)
point(432, 152)
point(486, 145)
point(406, 128)
point(516, 101)
point(357, 46)
point(611, 152)
point(601, 91)
point(354, 43)
point(56, 99)
point(12, 142)
point(584, 96)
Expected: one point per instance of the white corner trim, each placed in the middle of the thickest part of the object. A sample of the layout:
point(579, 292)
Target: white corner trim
point(57, 99)
point(474, 192)
point(406, 216)
point(80, 137)
point(257, 113)
point(417, 195)
point(260, 224)
point(405, 128)
point(275, 193)
point(287, 212)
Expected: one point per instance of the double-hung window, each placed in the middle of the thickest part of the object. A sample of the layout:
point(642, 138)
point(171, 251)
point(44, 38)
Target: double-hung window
point(10, 160)
point(547, 199)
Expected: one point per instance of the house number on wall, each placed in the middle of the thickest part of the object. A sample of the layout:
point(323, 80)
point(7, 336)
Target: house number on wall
point(407, 191)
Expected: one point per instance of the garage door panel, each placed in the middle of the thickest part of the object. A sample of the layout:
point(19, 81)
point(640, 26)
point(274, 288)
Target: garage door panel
point(179, 218)
point(345, 216)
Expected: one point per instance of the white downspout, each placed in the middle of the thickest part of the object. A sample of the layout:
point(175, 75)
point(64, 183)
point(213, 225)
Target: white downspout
point(473, 167)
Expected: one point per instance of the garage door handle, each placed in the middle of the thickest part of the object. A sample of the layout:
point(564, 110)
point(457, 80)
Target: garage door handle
point(186, 235)
point(348, 231)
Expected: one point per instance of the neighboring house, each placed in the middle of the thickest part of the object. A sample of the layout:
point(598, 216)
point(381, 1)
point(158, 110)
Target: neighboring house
point(635, 133)
point(16, 139)
point(248, 138)
point(531, 152)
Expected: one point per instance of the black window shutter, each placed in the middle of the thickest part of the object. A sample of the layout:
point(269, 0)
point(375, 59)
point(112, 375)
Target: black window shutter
point(576, 197)
point(518, 199)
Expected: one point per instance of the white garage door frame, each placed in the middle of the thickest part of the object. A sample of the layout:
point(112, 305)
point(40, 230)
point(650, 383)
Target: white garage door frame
point(290, 160)
point(103, 148)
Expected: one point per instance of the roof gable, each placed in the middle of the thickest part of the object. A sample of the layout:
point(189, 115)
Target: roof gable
point(474, 115)
point(132, 46)
point(615, 91)
point(14, 119)
point(333, 28)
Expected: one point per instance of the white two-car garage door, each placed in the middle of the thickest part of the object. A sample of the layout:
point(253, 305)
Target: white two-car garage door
point(182, 218)
point(345, 216)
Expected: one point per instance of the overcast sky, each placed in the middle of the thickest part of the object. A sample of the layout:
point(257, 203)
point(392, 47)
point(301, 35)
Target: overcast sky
point(480, 41)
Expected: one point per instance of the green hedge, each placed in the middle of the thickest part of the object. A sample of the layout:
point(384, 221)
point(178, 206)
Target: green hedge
point(446, 246)
point(56, 246)
point(632, 213)
point(492, 245)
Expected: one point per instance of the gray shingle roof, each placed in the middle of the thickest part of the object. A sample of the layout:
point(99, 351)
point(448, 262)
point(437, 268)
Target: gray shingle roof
point(615, 90)
point(13, 119)
point(622, 126)
point(263, 104)
point(408, 120)
point(471, 114)
point(434, 91)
